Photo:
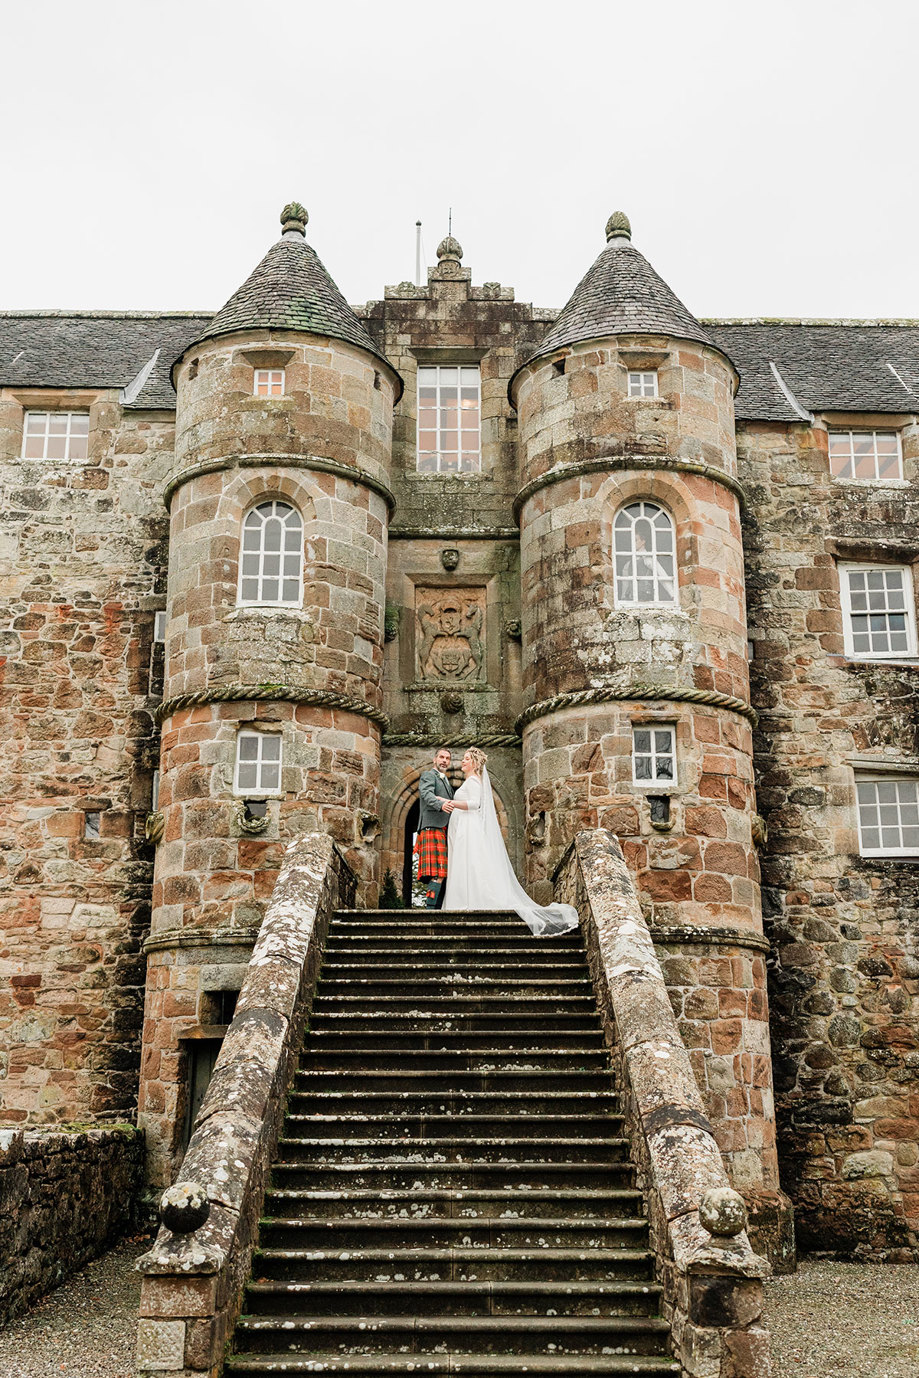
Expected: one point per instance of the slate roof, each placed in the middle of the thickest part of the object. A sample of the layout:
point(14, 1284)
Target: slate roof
point(621, 294)
point(827, 366)
point(291, 290)
point(96, 349)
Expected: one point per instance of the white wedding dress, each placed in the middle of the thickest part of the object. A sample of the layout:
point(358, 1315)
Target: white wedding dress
point(479, 870)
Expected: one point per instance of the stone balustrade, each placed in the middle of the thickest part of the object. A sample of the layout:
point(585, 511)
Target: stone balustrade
point(194, 1274)
point(711, 1278)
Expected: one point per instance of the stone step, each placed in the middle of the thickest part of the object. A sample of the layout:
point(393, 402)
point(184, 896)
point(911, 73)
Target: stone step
point(519, 1039)
point(426, 1023)
point(402, 986)
point(438, 1365)
point(480, 1104)
point(438, 938)
point(508, 1148)
point(431, 1125)
point(489, 1059)
point(376, 1081)
point(524, 1232)
point(441, 952)
point(496, 1001)
point(417, 1202)
point(524, 1176)
point(468, 1334)
point(435, 974)
point(366, 1298)
point(457, 1264)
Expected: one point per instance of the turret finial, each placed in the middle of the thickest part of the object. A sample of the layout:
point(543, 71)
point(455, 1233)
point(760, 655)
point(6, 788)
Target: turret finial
point(294, 218)
point(618, 226)
point(450, 249)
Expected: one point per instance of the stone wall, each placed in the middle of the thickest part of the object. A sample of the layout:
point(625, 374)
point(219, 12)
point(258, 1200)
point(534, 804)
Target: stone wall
point(82, 573)
point(844, 928)
point(65, 1196)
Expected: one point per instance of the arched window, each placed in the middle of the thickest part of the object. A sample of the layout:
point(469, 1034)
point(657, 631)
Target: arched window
point(644, 551)
point(271, 561)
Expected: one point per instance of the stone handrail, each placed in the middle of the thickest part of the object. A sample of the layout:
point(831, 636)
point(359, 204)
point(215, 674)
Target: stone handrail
point(711, 1278)
point(194, 1275)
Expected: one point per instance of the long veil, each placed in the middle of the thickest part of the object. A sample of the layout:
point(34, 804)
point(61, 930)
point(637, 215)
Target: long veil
point(542, 920)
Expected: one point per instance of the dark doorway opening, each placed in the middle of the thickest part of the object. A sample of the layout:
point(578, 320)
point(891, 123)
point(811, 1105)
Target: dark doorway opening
point(411, 828)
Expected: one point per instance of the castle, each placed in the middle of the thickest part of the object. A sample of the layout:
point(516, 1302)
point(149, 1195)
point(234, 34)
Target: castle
point(258, 565)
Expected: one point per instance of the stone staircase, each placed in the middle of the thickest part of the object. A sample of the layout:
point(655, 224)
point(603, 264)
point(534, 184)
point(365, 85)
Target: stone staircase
point(452, 1192)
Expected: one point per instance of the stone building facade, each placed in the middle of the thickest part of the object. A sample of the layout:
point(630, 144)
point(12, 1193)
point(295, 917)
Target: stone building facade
point(258, 565)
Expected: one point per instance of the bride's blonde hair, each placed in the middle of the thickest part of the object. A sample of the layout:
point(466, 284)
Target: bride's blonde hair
point(478, 758)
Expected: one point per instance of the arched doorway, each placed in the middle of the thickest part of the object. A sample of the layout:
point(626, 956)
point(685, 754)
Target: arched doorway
point(408, 874)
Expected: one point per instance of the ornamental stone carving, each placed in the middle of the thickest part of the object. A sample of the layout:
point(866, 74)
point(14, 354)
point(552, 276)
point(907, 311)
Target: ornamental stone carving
point(449, 634)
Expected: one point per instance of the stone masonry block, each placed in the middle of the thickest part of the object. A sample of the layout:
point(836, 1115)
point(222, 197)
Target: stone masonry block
point(160, 1346)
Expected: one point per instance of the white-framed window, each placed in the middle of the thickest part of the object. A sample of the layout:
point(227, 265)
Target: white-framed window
point(653, 754)
point(449, 419)
point(269, 382)
point(642, 382)
point(888, 814)
point(55, 435)
point(159, 625)
point(866, 454)
point(271, 560)
point(644, 555)
point(258, 763)
point(878, 611)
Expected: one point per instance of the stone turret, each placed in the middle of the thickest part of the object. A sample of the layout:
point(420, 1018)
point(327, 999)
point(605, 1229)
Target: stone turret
point(638, 716)
point(279, 502)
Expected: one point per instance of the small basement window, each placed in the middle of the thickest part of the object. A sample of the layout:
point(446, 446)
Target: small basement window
point(643, 383)
point(55, 435)
point(653, 755)
point(888, 814)
point(258, 763)
point(269, 382)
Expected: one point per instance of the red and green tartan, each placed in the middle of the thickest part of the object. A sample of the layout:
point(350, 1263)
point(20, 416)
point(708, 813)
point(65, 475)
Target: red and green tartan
point(431, 851)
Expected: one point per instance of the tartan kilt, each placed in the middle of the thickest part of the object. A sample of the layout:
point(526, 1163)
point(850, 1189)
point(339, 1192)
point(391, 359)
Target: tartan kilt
point(431, 851)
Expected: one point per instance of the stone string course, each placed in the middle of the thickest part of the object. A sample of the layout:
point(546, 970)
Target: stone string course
point(65, 1196)
point(713, 1295)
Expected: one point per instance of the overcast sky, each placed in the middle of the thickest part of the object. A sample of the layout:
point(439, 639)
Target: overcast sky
point(764, 150)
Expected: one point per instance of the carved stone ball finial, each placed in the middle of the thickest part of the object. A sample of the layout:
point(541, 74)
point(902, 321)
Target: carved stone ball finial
point(618, 226)
point(294, 218)
point(450, 249)
point(722, 1211)
point(184, 1207)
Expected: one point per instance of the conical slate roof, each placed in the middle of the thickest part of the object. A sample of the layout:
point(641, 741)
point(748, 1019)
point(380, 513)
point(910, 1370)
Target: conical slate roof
point(620, 294)
point(291, 290)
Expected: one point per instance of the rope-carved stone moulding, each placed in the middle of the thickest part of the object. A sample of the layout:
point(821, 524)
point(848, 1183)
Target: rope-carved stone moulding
point(640, 693)
point(277, 693)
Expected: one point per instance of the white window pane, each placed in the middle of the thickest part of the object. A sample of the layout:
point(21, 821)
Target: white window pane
point(247, 776)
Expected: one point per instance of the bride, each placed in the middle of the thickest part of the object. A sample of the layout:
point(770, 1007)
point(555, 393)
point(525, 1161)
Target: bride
point(479, 871)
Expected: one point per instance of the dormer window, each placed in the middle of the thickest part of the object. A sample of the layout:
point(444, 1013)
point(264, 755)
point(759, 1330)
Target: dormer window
point(449, 419)
point(643, 383)
point(873, 455)
point(55, 435)
point(269, 382)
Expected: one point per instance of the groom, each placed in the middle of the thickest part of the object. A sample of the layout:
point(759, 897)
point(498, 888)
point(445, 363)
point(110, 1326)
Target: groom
point(436, 806)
